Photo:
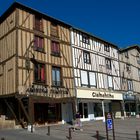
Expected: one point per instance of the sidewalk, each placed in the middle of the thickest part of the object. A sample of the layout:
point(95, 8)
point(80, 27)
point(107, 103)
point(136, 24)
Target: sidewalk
point(124, 130)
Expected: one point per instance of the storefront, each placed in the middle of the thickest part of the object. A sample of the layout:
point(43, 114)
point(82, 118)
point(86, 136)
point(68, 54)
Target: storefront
point(92, 105)
point(131, 105)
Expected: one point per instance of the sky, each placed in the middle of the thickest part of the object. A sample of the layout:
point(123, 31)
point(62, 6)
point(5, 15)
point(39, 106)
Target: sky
point(116, 21)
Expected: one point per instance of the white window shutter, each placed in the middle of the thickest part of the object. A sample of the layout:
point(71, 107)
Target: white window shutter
point(92, 78)
point(84, 78)
point(110, 84)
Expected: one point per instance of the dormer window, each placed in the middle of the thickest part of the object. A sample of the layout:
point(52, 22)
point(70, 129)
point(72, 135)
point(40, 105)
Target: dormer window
point(106, 48)
point(54, 30)
point(38, 23)
point(126, 54)
point(128, 67)
point(85, 39)
point(108, 63)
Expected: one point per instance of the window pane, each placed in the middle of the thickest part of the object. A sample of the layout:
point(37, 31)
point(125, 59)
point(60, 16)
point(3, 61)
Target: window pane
point(58, 75)
point(92, 78)
point(84, 78)
point(110, 84)
point(39, 72)
point(53, 75)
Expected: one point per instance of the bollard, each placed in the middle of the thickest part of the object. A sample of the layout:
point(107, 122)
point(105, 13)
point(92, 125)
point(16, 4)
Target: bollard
point(97, 135)
point(137, 135)
point(48, 131)
point(69, 137)
point(31, 128)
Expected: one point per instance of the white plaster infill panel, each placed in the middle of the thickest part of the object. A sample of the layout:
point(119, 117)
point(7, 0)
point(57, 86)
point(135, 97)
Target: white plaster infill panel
point(92, 94)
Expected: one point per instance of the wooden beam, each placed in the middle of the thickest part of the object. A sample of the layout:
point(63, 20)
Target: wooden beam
point(24, 110)
point(11, 110)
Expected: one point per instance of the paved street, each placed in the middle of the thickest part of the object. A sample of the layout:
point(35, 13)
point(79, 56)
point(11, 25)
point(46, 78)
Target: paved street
point(124, 130)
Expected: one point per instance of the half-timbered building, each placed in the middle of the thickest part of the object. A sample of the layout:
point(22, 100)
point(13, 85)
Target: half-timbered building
point(96, 74)
point(36, 74)
point(130, 79)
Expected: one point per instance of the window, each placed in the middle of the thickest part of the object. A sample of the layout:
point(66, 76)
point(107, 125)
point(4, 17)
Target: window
point(39, 43)
point(139, 73)
point(55, 48)
point(128, 68)
point(106, 48)
point(85, 39)
point(84, 78)
point(56, 76)
point(88, 79)
point(126, 54)
point(86, 57)
point(39, 72)
point(130, 85)
point(108, 63)
point(54, 30)
point(92, 79)
point(38, 23)
point(110, 82)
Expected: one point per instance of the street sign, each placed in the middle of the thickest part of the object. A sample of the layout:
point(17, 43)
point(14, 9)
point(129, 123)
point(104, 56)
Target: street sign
point(109, 124)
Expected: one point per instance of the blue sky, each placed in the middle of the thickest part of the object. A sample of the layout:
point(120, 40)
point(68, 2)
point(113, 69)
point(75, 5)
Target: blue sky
point(116, 21)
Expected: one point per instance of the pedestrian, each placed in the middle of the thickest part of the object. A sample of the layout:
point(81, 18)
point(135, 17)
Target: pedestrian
point(78, 121)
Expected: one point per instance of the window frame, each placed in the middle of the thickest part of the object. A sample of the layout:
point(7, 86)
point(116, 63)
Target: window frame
point(126, 54)
point(38, 26)
point(139, 73)
point(85, 39)
point(54, 29)
point(60, 77)
point(86, 57)
point(106, 48)
point(108, 65)
point(55, 53)
point(37, 46)
point(92, 85)
point(88, 79)
point(128, 67)
point(37, 66)
point(108, 77)
point(130, 87)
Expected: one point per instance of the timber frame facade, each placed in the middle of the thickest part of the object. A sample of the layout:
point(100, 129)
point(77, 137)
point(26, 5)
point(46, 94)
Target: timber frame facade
point(97, 76)
point(130, 79)
point(36, 74)
point(49, 70)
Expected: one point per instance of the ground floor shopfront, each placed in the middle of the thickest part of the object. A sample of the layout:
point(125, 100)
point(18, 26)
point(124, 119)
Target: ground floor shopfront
point(37, 110)
point(92, 104)
point(131, 105)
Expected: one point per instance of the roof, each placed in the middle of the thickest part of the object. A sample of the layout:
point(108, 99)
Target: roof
point(130, 48)
point(102, 40)
point(31, 10)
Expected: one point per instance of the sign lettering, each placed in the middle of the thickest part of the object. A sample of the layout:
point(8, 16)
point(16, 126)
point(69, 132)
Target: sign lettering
point(103, 95)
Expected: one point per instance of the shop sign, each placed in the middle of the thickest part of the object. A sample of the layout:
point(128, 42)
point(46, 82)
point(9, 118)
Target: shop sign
point(37, 89)
point(102, 95)
point(129, 97)
point(59, 90)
